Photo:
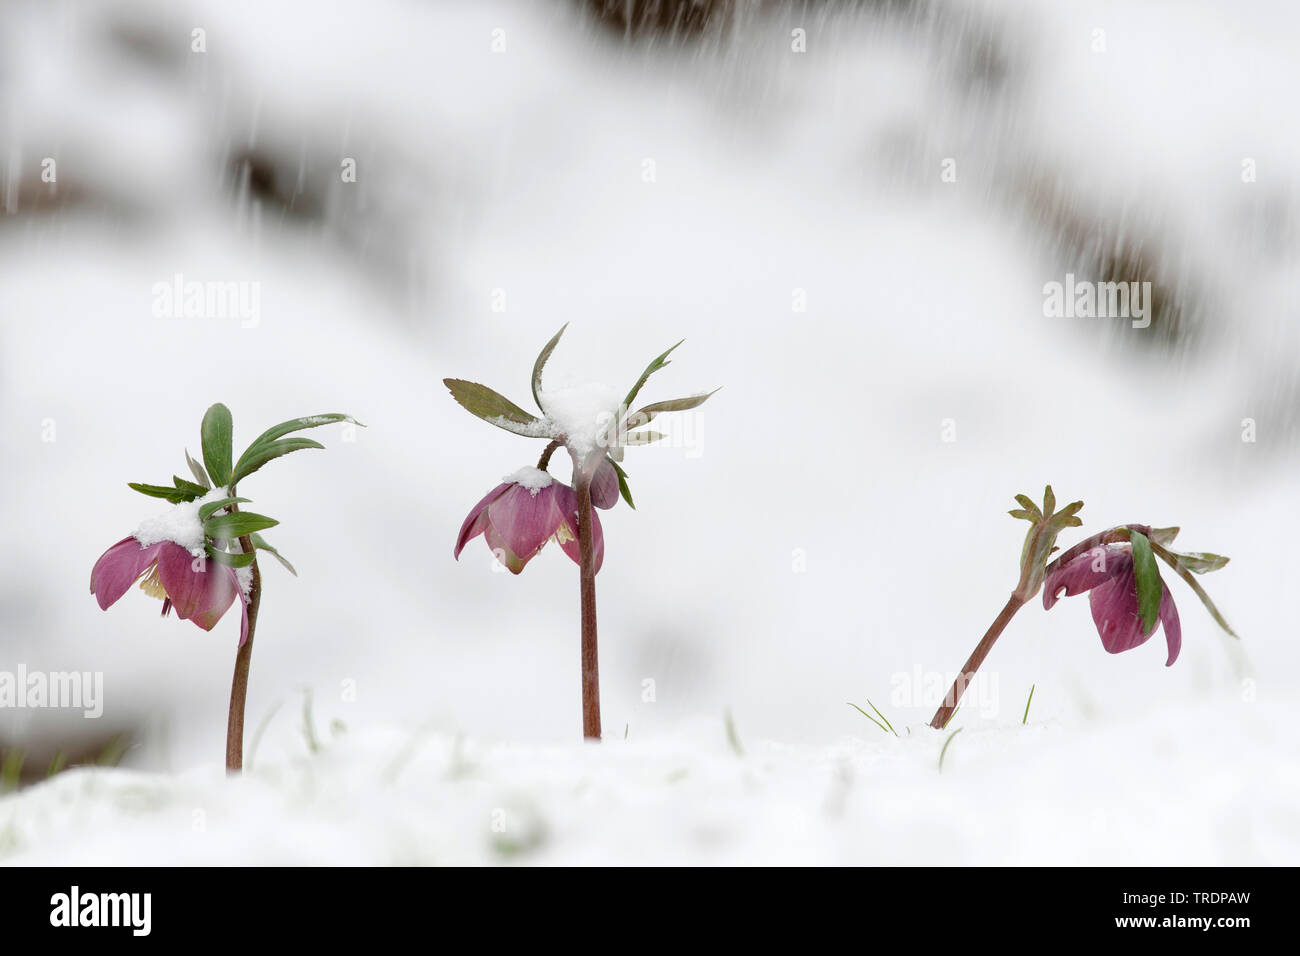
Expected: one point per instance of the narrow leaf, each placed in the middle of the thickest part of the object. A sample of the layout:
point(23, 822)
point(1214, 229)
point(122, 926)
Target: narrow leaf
point(650, 369)
point(541, 363)
point(188, 487)
point(231, 559)
point(237, 525)
point(866, 715)
point(218, 432)
point(260, 544)
point(1201, 562)
point(1150, 590)
point(495, 409)
point(197, 471)
point(622, 484)
point(258, 455)
point(174, 495)
point(298, 424)
point(647, 414)
point(1027, 503)
point(1164, 535)
point(944, 752)
point(212, 507)
point(1049, 501)
point(1172, 560)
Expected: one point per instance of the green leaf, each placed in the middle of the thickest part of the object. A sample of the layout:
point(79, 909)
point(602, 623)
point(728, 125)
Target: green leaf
point(1027, 503)
point(1073, 508)
point(868, 716)
point(495, 409)
point(622, 484)
point(260, 544)
point(196, 469)
point(1150, 590)
point(237, 525)
point(1202, 562)
point(1164, 535)
point(189, 488)
point(266, 446)
point(174, 495)
point(231, 559)
point(212, 507)
point(647, 414)
point(1172, 560)
point(650, 369)
point(541, 363)
point(258, 455)
point(1049, 501)
point(218, 433)
point(298, 424)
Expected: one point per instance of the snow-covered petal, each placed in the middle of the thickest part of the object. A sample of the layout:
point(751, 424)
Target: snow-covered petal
point(524, 518)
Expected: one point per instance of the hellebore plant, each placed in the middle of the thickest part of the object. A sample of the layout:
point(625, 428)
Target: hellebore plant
point(202, 555)
point(530, 507)
point(1118, 570)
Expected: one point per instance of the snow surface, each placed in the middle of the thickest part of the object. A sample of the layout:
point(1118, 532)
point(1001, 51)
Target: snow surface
point(534, 479)
point(179, 524)
point(857, 310)
point(1173, 787)
point(585, 414)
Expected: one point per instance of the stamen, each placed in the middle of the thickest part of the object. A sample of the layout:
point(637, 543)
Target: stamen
point(151, 586)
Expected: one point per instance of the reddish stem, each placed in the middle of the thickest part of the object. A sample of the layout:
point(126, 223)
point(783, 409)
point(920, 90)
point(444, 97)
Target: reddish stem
point(243, 661)
point(587, 573)
point(950, 702)
point(1018, 600)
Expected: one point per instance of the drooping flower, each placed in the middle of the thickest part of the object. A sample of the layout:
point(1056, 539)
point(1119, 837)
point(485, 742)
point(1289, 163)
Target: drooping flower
point(1107, 573)
point(200, 590)
point(529, 508)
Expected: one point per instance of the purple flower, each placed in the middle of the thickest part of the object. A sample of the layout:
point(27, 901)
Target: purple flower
point(1106, 571)
point(529, 508)
point(200, 594)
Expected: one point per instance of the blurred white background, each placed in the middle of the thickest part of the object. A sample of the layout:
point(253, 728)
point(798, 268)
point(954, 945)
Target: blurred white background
point(647, 187)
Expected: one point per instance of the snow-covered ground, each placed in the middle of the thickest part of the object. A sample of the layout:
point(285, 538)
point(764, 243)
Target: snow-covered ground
point(808, 538)
point(1178, 787)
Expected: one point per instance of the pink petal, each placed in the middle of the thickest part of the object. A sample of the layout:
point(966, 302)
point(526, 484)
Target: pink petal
point(567, 507)
point(476, 522)
point(118, 568)
point(1082, 574)
point(604, 485)
point(1173, 628)
point(1115, 612)
point(524, 521)
point(503, 552)
point(200, 596)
